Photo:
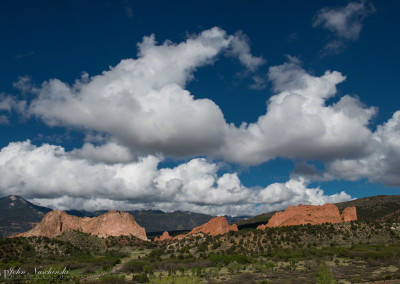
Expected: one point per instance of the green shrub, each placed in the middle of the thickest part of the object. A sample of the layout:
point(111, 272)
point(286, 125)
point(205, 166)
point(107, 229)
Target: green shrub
point(234, 267)
point(141, 278)
point(133, 266)
point(325, 275)
point(388, 277)
point(112, 279)
point(259, 267)
point(175, 280)
point(156, 253)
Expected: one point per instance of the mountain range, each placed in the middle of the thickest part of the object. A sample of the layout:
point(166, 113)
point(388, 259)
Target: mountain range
point(18, 215)
point(368, 209)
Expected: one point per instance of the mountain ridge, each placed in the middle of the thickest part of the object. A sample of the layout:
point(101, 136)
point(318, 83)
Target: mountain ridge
point(368, 209)
point(18, 215)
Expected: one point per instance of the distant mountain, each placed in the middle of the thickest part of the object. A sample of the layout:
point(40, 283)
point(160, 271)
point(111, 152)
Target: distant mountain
point(18, 215)
point(83, 213)
point(373, 207)
point(368, 209)
point(157, 220)
point(236, 219)
point(254, 222)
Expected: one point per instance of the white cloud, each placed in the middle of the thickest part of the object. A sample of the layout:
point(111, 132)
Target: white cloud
point(381, 165)
point(53, 177)
point(241, 50)
point(259, 82)
point(143, 105)
point(7, 105)
point(344, 22)
point(298, 122)
point(142, 102)
point(109, 152)
point(295, 191)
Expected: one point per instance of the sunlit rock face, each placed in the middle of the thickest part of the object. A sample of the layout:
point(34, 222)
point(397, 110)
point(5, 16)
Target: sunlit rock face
point(112, 223)
point(214, 227)
point(310, 214)
point(164, 237)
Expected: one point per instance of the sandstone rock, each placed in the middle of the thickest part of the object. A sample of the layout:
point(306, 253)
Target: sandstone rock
point(349, 214)
point(310, 214)
point(112, 223)
point(164, 237)
point(181, 236)
point(214, 227)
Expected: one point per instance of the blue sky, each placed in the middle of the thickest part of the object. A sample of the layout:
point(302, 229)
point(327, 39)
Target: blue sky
point(339, 133)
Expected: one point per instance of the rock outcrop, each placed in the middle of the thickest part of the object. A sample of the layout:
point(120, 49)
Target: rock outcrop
point(214, 227)
point(164, 237)
point(112, 223)
point(349, 214)
point(310, 214)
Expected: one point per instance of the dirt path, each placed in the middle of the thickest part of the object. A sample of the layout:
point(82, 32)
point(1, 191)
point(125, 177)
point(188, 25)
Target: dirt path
point(115, 269)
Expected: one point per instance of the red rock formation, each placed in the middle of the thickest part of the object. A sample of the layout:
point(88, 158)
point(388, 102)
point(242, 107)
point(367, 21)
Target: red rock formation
point(310, 214)
point(164, 237)
point(214, 227)
point(112, 223)
point(349, 214)
point(177, 237)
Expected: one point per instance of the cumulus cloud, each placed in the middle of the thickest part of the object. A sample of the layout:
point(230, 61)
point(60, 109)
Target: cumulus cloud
point(344, 22)
point(109, 152)
point(382, 165)
point(53, 177)
point(7, 105)
point(298, 122)
point(241, 50)
point(142, 103)
point(304, 169)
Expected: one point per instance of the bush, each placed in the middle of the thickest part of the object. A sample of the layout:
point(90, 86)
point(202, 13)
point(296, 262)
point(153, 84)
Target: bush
point(270, 265)
point(133, 266)
point(325, 275)
point(388, 277)
point(234, 267)
point(141, 278)
point(156, 253)
point(112, 279)
point(175, 280)
point(226, 259)
point(259, 267)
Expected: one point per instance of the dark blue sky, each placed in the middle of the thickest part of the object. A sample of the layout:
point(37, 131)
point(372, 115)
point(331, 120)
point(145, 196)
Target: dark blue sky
point(61, 39)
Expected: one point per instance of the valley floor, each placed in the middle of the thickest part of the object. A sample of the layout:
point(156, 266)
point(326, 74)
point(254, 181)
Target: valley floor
point(356, 252)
